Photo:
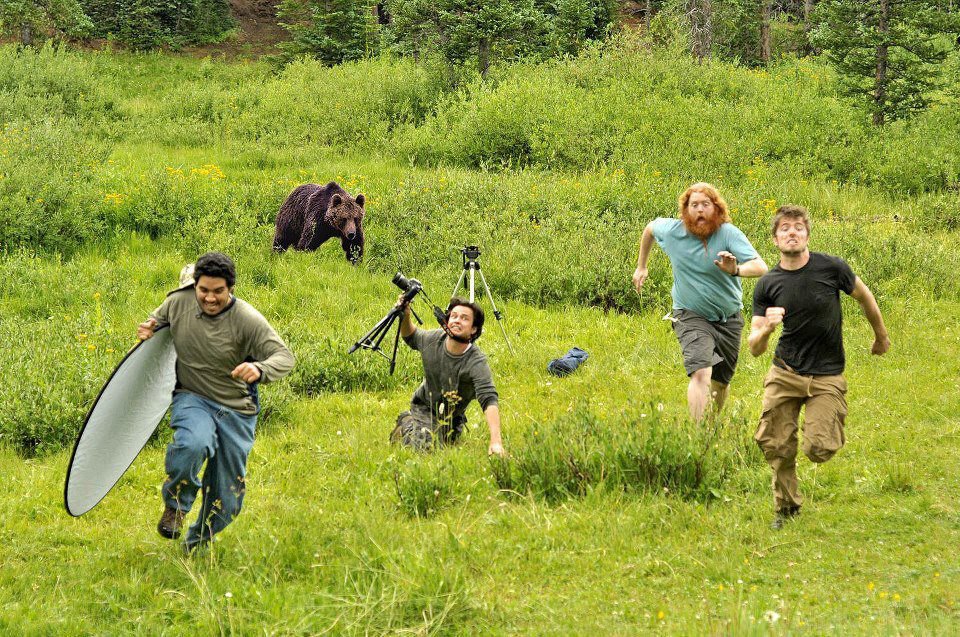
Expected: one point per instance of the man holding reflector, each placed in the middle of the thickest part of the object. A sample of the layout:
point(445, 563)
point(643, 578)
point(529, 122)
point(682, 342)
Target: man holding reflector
point(225, 348)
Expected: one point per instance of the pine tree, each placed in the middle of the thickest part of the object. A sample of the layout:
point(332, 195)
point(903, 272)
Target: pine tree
point(332, 31)
point(467, 30)
point(889, 53)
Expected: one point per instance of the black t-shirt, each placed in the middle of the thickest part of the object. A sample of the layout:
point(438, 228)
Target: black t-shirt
point(812, 339)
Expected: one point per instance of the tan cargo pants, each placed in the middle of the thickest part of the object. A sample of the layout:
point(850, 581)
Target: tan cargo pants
point(784, 394)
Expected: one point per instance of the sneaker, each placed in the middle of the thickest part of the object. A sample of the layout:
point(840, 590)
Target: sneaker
point(170, 523)
point(783, 515)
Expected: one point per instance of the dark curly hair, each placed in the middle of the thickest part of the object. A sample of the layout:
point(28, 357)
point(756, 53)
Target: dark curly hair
point(215, 264)
point(477, 313)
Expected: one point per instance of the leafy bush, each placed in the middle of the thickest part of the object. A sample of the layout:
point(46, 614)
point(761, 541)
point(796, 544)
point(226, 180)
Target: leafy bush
point(42, 190)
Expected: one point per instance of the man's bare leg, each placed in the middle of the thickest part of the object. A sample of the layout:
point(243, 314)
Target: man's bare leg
point(698, 392)
point(719, 393)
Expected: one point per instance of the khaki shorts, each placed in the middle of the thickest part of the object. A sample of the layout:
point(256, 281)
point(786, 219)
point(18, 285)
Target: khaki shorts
point(709, 343)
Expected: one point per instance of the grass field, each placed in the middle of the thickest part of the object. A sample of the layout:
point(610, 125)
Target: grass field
point(612, 514)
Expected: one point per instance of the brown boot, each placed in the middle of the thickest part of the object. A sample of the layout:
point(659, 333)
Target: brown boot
point(170, 523)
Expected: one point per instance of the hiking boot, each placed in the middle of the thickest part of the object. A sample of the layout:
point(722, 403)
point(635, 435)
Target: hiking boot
point(170, 523)
point(784, 515)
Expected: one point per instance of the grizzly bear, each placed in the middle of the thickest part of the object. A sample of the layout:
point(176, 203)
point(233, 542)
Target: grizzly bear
point(313, 213)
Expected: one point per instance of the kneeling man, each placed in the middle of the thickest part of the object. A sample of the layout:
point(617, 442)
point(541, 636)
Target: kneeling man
point(455, 372)
point(803, 294)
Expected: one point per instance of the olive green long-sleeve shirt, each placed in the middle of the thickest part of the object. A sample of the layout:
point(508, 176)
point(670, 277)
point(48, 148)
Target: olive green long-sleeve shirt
point(451, 382)
point(210, 347)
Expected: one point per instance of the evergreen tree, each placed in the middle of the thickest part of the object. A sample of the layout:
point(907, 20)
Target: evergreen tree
point(888, 53)
point(482, 31)
point(332, 31)
point(464, 30)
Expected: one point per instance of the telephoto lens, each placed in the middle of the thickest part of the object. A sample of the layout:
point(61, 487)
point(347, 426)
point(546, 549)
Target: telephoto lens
point(410, 287)
point(401, 281)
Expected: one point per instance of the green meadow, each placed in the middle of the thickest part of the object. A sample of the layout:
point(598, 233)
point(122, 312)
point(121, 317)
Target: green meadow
point(612, 514)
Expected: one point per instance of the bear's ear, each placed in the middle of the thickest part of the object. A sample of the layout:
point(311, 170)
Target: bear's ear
point(336, 200)
point(360, 200)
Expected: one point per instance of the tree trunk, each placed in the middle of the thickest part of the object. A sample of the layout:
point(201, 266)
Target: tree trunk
point(701, 29)
point(880, 79)
point(26, 35)
point(765, 31)
point(808, 6)
point(483, 57)
point(646, 18)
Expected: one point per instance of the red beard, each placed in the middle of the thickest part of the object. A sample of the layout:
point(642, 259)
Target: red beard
point(703, 230)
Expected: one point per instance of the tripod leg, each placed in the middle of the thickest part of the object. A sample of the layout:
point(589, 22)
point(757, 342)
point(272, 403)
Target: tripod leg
point(371, 340)
point(459, 282)
point(496, 312)
point(393, 358)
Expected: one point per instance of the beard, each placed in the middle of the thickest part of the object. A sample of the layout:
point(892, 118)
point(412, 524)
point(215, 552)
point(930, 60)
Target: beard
point(704, 230)
point(793, 252)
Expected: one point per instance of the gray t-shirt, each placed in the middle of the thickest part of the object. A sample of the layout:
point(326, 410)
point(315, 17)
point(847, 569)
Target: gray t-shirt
point(450, 382)
point(210, 347)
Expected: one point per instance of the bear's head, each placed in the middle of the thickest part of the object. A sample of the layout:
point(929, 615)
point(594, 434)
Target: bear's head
point(345, 213)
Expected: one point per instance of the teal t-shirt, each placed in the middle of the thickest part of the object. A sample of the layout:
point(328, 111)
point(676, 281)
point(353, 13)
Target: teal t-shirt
point(698, 284)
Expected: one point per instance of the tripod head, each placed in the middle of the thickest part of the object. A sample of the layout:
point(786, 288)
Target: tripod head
point(470, 254)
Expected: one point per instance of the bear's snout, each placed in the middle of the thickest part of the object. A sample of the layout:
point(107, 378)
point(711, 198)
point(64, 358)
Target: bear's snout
point(350, 230)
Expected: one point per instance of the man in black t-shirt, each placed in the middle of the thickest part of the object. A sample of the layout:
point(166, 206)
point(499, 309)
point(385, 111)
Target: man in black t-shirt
point(803, 293)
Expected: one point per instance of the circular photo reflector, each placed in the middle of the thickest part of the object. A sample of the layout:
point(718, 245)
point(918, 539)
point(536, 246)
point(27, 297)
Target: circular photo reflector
point(121, 421)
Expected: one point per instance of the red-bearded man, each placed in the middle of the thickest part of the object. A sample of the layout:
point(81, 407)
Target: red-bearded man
point(709, 255)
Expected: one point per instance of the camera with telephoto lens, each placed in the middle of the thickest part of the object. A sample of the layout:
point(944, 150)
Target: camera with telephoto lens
point(410, 287)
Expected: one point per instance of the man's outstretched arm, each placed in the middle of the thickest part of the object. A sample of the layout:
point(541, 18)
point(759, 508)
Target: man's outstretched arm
point(646, 242)
point(492, 416)
point(407, 328)
point(863, 295)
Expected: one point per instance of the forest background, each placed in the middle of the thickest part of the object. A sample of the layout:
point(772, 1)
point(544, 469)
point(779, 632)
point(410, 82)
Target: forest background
point(134, 136)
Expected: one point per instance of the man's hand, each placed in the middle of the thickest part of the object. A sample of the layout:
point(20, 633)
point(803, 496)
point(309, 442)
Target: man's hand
point(639, 276)
point(727, 262)
point(880, 346)
point(145, 329)
point(247, 372)
point(774, 316)
point(496, 449)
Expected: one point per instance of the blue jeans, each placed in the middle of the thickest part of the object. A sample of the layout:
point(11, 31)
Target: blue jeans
point(204, 430)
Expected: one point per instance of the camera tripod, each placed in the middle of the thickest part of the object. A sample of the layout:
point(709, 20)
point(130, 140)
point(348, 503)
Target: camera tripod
point(372, 339)
point(470, 255)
